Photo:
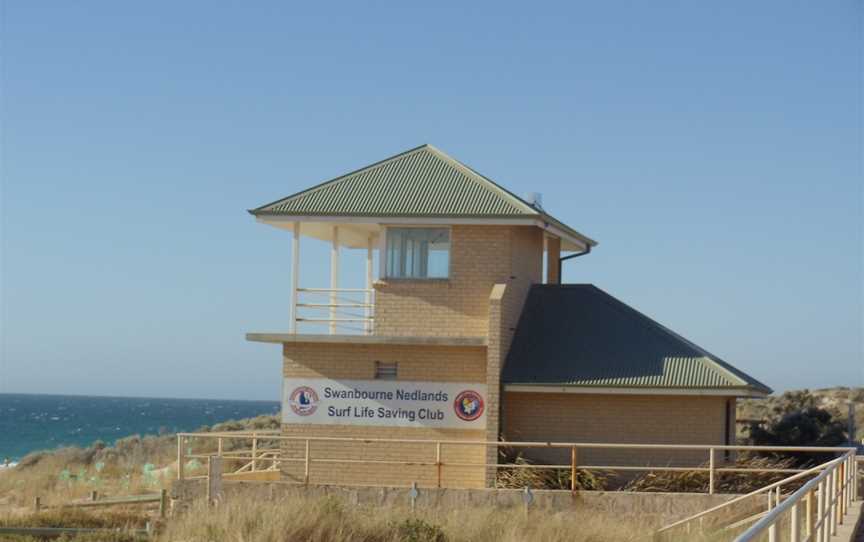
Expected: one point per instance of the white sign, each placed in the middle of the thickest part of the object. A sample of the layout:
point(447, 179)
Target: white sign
point(384, 402)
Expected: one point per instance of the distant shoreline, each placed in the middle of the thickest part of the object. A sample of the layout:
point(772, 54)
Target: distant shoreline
point(85, 396)
point(42, 422)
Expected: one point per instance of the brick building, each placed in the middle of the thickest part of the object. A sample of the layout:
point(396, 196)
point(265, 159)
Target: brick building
point(461, 331)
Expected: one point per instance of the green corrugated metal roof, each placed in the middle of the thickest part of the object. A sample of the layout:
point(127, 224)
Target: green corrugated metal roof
point(578, 335)
point(421, 182)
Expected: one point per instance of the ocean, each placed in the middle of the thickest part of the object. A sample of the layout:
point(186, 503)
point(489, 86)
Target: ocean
point(40, 422)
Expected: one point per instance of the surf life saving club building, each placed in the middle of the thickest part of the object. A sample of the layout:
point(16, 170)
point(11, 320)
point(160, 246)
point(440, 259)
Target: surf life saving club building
point(462, 331)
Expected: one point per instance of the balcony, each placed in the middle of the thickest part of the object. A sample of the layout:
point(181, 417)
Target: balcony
point(337, 311)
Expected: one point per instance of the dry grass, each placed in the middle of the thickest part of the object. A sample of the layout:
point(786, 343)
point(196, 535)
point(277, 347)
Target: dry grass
point(726, 482)
point(75, 518)
point(331, 520)
point(134, 465)
point(540, 478)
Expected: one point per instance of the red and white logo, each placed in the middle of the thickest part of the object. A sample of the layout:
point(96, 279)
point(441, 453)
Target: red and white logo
point(303, 401)
point(468, 405)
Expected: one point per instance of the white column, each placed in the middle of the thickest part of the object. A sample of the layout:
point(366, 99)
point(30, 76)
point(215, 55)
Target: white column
point(369, 297)
point(295, 276)
point(334, 278)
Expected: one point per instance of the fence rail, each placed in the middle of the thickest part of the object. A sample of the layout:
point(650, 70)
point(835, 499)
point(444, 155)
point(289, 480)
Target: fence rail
point(258, 458)
point(95, 502)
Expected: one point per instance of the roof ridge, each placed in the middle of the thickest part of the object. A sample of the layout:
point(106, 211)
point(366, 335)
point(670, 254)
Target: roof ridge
point(340, 177)
point(477, 176)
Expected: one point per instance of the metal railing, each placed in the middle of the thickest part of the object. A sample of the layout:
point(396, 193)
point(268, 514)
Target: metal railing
point(833, 490)
point(341, 310)
point(813, 491)
point(265, 454)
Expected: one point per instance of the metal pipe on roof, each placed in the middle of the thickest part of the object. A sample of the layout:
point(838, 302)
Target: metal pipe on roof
point(561, 261)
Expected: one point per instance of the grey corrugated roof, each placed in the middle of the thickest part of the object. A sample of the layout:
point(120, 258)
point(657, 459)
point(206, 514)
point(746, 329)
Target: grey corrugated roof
point(421, 182)
point(578, 335)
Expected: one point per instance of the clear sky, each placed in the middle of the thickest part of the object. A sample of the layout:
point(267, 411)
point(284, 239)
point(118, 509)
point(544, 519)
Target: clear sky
point(712, 148)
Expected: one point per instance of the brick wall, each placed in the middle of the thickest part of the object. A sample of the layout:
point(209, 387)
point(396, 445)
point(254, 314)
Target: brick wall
point(505, 308)
point(357, 361)
point(506, 258)
point(632, 419)
point(480, 257)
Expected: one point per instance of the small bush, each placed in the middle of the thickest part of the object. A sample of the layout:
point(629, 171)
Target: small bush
point(724, 482)
point(419, 530)
point(540, 478)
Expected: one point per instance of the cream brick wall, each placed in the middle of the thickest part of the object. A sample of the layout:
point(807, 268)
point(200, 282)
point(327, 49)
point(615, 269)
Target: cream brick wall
point(634, 419)
point(423, 363)
point(480, 257)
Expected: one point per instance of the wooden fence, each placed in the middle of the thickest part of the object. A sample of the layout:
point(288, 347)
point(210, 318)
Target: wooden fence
point(263, 454)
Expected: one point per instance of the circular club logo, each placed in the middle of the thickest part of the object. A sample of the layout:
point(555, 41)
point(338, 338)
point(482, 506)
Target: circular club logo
point(468, 405)
point(303, 401)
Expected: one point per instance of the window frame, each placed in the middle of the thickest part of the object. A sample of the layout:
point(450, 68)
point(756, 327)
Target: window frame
point(384, 244)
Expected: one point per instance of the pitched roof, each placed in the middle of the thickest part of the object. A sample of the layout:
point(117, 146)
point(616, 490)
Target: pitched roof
point(420, 182)
point(578, 335)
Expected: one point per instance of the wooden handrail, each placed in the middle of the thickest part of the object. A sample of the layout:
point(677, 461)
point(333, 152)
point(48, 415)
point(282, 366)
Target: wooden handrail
point(530, 444)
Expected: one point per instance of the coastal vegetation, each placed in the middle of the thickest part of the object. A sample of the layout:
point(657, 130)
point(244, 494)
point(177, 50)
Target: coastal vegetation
point(133, 465)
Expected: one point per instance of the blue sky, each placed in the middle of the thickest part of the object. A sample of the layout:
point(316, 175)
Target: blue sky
point(713, 149)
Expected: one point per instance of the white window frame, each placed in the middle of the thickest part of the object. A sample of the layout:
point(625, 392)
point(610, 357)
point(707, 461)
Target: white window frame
point(382, 251)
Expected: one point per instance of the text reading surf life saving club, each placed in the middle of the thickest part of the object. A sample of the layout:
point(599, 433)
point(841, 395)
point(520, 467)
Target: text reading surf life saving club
point(375, 402)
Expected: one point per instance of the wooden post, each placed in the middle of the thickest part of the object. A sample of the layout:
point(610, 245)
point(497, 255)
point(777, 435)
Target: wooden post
point(254, 451)
point(841, 492)
point(832, 500)
point(163, 503)
point(220, 447)
point(438, 465)
point(854, 462)
point(214, 478)
point(180, 457)
point(795, 534)
point(295, 276)
point(820, 512)
point(808, 519)
point(711, 471)
point(574, 456)
point(37, 504)
point(772, 529)
point(306, 465)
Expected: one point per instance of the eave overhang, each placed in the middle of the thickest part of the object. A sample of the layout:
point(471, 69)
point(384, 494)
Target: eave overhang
point(636, 390)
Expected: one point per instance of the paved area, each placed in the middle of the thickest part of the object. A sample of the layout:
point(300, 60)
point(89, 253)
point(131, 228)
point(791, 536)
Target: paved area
point(847, 530)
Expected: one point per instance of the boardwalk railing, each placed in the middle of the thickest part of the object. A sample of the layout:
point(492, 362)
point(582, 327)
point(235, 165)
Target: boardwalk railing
point(261, 451)
point(833, 490)
point(810, 513)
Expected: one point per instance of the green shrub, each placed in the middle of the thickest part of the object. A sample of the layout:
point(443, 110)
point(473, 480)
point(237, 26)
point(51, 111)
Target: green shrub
point(418, 530)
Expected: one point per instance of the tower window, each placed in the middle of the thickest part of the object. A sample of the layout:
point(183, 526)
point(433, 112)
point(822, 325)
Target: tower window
point(418, 253)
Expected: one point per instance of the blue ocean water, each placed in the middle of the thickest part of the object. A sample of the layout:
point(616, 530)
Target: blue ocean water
point(40, 422)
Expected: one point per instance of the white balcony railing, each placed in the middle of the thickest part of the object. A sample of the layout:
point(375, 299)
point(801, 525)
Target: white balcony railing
point(335, 310)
